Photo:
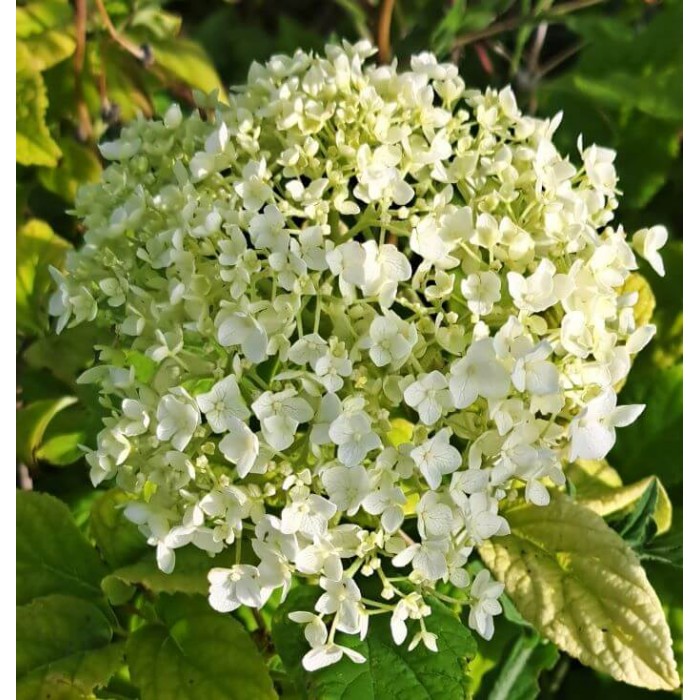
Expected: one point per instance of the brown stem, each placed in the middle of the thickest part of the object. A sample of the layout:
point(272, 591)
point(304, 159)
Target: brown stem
point(510, 23)
point(83, 113)
point(384, 31)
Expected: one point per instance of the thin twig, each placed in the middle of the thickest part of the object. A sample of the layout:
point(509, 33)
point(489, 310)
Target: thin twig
point(559, 59)
point(506, 25)
point(384, 31)
point(141, 53)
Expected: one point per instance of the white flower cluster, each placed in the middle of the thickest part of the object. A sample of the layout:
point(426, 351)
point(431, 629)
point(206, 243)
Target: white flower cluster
point(353, 311)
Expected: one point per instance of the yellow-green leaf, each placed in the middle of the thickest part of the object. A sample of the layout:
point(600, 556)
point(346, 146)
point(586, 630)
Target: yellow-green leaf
point(187, 62)
point(37, 16)
point(582, 587)
point(34, 145)
point(599, 487)
point(37, 248)
point(646, 302)
point(78, 165)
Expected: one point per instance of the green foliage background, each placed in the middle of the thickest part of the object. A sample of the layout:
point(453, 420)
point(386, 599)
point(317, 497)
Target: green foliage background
point(96, 618)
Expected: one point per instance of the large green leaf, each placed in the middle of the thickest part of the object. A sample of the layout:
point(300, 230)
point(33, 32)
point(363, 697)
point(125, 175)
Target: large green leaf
point(37, 248)
point(517, 676)
point(52, 554)
point(64, 649)
point(582, 587)
point(391, 672)
point(34, 145)
point(194, 652)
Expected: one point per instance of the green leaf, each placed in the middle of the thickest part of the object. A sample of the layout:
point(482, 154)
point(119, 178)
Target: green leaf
point(34, 144)
point(190, 574)
point(640, 70)
point(157, 22)
point(37, 248)
point(651, 443)
point(517, 676)
point(599, 487)
point(667, 549)
point(391, 671)
point(32, 421)
point(66, 354)
point(638, 527)
point(70, 429)
point(647, 150)
point(127, 82)
point(43, 51)
point(78, 165)
point(52, 554)
point(186, 61)
point(196, 653)
point(45, 34)
point(37, 16)
point(667, 347)
point(144, 367)
point(118, 540)
point(582, 587)
point(64, 649)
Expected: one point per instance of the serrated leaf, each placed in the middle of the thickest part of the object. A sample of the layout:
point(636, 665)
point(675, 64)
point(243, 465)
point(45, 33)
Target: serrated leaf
point(34, 145)
point(37, 16)
point(517, 676)
point(64, 649)
point(391, 671)
point(118, 540)
point(43, 51)
point(37, 248)
point(582, 587)
point(52, 554)
point(32, 421)
point(196, 653)
point(667, 549)
point(599, 487)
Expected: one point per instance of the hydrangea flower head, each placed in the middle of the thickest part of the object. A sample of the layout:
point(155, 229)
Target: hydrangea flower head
point(341, 251)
